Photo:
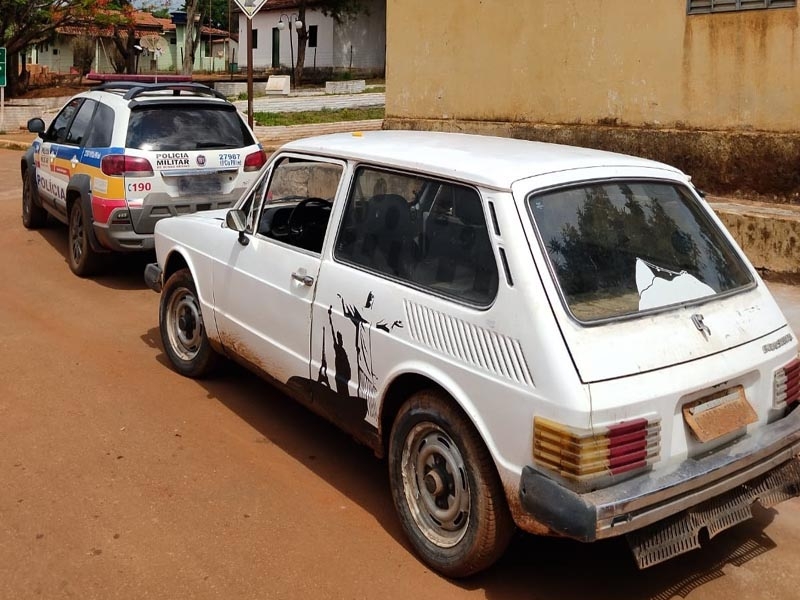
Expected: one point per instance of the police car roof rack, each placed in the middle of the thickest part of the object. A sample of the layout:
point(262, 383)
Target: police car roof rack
point(135, 88)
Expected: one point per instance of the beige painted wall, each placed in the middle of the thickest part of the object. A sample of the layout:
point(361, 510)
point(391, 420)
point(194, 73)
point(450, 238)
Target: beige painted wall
point(634, 62)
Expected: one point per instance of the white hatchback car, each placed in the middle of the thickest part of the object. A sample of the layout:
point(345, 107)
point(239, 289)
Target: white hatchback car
point(556, 338)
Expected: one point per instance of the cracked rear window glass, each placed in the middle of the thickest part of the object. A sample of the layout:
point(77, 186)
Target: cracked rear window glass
point(618, 248)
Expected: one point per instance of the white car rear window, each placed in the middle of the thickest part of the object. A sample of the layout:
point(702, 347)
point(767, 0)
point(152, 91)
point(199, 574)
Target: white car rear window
point(622, 247)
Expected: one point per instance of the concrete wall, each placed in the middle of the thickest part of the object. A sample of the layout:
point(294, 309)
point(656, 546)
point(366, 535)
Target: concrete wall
point(643, 66)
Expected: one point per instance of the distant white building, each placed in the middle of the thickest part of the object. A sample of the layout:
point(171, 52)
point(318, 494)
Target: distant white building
point(358, 43)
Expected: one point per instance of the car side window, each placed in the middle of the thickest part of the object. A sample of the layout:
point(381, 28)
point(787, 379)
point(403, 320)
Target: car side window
point(57, 132)
point(441, 244)
point(80, 124)
point(298, 201)
point(99, 135)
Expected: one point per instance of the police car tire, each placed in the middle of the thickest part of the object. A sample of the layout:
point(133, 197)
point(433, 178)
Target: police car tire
point(33, 216)
point(180, 294)
point(83, 260)
point(427, 417)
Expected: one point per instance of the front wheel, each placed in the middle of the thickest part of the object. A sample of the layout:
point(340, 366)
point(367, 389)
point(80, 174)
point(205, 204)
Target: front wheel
point(445, 487)
point(182, 331)
point(83, 260)
point(33, 215)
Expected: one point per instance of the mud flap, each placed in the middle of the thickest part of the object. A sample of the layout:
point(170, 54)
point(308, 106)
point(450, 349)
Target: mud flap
point(681, 533)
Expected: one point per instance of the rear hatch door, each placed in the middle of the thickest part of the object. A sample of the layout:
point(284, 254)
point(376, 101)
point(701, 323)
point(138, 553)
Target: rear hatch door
point(642, 275)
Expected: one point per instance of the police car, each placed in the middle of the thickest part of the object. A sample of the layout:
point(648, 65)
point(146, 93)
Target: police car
point(121, 157)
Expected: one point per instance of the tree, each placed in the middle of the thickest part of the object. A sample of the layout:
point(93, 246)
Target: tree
point(118, 15)
point(192, 36)
point(27, 22)
point(339, 10)
point(83, 53)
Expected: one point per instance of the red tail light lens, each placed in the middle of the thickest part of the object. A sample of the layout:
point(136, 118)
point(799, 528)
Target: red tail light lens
point(596, 458)
point(787, 384)
point(126, 166)
point(254, 161)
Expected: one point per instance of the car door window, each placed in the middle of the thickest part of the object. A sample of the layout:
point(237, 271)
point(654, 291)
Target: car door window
point(441, 243)
point(298, 201)
point(99, 135)
point(80, 124)
point(57, 132)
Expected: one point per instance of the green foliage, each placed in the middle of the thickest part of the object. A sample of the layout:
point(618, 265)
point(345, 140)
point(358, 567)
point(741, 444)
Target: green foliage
point(342, 9)
point(318, 116)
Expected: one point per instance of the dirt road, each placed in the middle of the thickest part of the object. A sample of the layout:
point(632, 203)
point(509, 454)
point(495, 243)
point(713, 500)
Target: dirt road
point(121, 479)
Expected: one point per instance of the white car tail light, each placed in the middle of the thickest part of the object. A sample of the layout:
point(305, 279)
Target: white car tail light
point(591, 459)
point(786, 384)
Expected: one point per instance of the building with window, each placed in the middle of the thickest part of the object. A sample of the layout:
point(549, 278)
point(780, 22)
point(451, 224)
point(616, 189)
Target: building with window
point(711, 86)
point(356, 44)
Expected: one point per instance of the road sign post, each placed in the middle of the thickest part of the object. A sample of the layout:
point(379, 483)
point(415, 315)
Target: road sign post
point(250, 8)
point(2, 89)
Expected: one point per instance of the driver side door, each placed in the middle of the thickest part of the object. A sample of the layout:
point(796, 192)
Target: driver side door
point(263, 290)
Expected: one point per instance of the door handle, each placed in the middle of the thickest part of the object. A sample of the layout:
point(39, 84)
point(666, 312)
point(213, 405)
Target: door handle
point(304, 279)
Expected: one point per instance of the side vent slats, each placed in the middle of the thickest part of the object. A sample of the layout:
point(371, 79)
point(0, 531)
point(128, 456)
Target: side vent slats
point(472, 345)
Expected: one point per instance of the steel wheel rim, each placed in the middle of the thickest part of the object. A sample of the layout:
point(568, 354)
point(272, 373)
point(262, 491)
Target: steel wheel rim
point(435, 484)
point(184, 324)
point(76, 240)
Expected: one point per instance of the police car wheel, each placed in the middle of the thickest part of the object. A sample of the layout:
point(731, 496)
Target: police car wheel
point(33, 216)
point(83, 260)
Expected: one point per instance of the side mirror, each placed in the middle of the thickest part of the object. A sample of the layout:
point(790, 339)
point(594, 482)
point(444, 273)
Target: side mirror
point(237, 220)
point(36, 125)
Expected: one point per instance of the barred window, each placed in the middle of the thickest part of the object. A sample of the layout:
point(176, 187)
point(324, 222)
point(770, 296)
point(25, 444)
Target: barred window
point(695, 7)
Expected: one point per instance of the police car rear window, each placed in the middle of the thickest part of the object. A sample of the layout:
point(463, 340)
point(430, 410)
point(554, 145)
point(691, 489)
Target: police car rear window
point(183, 127)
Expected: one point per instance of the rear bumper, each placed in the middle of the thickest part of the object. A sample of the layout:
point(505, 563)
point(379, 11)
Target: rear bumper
point(652, 497)
point(122, 238)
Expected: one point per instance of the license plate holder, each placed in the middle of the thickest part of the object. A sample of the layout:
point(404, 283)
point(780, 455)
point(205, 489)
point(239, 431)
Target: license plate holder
point(199, 184)
point(719, 414)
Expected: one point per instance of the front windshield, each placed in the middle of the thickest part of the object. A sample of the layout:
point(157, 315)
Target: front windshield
point(622, 247)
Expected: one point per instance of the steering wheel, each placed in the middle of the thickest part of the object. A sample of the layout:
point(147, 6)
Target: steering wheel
point(295, 223)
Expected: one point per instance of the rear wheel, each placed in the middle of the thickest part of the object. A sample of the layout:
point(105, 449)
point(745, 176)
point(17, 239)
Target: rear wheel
point(83, 260)
point(33, 216)
point(445, 487)
point(183, 333)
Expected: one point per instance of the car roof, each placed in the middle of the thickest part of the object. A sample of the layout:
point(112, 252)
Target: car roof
point(483, 160)
point(126, 94)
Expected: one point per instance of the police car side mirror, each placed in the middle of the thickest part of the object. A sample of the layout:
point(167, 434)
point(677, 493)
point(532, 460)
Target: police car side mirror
point(36, 125)
point(237, 220)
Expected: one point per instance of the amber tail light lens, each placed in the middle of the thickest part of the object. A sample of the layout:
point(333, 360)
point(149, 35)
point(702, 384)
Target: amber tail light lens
point(591, 459)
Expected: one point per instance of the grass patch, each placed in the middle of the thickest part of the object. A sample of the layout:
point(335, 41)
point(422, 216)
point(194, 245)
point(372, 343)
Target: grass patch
point(325, 115)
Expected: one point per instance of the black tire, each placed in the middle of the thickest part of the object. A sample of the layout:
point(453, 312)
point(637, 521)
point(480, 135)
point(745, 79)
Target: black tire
point(445, 487)
point(33, 215)
point(183, 333)
point(83, 260)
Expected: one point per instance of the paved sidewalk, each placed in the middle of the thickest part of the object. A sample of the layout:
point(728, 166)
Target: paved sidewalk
point(303, 102)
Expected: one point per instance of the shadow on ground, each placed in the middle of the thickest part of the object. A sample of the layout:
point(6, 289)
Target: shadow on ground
point(533, 567)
